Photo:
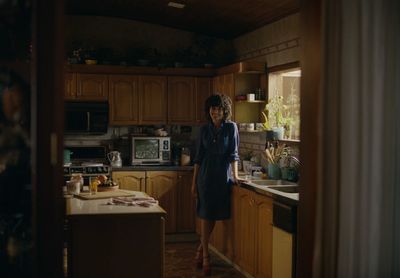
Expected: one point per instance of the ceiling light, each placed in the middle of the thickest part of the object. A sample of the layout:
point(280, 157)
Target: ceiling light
point(176, 5)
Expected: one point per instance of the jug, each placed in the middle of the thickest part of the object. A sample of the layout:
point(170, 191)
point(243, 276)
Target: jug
point(115, 159)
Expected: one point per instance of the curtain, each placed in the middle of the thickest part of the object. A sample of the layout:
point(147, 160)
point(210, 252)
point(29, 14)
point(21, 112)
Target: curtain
point(358, 206)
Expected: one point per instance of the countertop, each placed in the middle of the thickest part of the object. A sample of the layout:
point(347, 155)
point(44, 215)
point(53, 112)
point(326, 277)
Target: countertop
point(76, 207)
point(290, 198)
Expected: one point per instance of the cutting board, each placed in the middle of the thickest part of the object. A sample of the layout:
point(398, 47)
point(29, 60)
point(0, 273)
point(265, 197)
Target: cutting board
point(104, 195)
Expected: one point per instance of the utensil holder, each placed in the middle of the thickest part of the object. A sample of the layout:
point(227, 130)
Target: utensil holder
point(274, 172)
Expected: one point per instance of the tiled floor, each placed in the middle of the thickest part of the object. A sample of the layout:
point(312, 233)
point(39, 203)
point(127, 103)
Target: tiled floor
point(179, 258)
point(179, 263)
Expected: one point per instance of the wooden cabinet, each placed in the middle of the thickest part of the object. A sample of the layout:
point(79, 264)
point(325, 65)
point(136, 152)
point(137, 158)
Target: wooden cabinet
point(91, 86)
point(246, 239)
point(186, 98)
point(162, 185)
point(86, 87)
point(225, 84)
point(124, 99)
point(171, 188)
point(153, 99)
point(263, 237)
point(282, 253)
point(181, 97)
point(246, 232)
point(204, 89)
point(186, 206)
point(70, 86)
point(134, 181)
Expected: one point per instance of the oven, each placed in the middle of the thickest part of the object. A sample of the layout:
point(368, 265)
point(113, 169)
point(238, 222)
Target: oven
point(88, 171)
point(88, 161)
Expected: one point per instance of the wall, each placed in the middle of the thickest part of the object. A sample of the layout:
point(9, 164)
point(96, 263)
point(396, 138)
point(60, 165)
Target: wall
point(276, 43)
point(124, 35)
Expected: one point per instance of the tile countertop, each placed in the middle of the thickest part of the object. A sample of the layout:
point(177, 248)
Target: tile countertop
point(153, 168)
point(76, 207)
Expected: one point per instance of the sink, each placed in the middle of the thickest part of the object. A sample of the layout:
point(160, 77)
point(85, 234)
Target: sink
point(286, 189)
point(272, 182)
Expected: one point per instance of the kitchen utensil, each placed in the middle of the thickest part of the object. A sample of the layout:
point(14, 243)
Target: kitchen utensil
point(115, 159)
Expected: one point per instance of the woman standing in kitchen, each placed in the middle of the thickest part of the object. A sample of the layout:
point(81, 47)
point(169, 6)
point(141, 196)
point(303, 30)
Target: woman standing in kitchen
point(215, 171)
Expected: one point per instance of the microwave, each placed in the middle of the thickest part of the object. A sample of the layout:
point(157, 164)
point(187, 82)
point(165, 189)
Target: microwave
point(150, 150)
point(86, 117)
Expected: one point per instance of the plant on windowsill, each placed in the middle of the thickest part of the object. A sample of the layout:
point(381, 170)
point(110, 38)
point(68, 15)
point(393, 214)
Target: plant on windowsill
point(278, 118)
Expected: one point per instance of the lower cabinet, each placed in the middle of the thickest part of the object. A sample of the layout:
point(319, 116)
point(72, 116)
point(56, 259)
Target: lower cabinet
point(170, 188)
point(246, 239)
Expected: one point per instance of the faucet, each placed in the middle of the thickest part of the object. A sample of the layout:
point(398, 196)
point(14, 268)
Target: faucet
point(296, 160)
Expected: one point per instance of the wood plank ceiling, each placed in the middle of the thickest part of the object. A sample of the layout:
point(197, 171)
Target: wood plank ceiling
point(218, 18)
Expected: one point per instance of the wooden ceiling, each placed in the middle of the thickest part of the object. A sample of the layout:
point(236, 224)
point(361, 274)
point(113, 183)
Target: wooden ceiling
point(218, 18)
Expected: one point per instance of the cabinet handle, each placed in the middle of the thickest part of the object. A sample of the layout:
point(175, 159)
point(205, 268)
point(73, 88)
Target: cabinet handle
point(179, 177)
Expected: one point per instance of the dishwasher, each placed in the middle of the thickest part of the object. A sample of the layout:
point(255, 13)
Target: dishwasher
point(284, 240)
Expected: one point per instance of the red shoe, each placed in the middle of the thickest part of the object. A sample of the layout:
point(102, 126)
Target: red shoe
point(206, 266)
point(198, 260)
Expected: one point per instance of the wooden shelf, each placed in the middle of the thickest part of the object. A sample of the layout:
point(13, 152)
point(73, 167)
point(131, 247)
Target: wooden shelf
point(111, 69)
point(248, 101)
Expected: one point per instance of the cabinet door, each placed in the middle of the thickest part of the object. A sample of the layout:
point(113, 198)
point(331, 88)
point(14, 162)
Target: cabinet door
point(264, 237)
point(124, 100)
point(225, 84)
point(181, 98)
point(130, 180)
point(162, 186)
point(203, 91)
point(69, 86)
point(282, 253)
point(153, 99)
point(186, 210)
point(246, 230)
point(92, 86)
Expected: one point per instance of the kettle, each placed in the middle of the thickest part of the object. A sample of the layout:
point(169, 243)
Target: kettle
point(115, 159)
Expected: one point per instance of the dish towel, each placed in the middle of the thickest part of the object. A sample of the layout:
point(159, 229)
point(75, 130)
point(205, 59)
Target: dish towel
point(133, 201)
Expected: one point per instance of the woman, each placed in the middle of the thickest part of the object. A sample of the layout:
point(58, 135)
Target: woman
point(215, 170)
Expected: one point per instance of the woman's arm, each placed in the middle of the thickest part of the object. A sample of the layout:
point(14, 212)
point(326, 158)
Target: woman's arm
point(235, 172)
point(194, 186)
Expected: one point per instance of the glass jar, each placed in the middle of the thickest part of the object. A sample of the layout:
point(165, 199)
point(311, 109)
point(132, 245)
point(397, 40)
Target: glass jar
point(185, 156)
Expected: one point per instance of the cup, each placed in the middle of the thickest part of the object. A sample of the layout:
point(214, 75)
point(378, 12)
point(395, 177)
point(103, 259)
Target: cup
point(250, 127)
point(251, 97)
point(73, 187)
point(94, 183)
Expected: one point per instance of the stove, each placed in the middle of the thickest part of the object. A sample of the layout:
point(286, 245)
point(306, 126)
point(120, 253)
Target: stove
point(87, 170)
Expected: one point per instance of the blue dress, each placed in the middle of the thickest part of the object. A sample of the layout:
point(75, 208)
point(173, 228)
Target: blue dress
point(216, 149)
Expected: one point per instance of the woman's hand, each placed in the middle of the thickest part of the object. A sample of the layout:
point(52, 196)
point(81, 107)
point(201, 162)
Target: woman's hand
point(238, 180)
point(194, 190)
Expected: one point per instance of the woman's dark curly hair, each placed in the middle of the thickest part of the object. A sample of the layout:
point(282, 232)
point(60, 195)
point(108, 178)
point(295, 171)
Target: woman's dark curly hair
point(218, 100)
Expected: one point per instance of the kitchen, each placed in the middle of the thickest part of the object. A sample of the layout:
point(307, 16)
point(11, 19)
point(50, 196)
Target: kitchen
point(46, 145)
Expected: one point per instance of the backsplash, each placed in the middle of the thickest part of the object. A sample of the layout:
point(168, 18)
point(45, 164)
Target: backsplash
point(255, 142)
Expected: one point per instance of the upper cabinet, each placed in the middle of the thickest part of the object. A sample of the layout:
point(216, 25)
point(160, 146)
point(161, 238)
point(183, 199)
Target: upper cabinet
point(204, 89)
point(86, 87)
point(186, 98)
point(124, 99)
point(181, 100)
point(153, 99)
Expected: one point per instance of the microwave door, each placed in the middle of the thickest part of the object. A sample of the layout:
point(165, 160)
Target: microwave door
point(98, 122)
point(77, 121)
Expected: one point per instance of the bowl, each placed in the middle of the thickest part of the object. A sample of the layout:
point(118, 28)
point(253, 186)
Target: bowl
point(90, 62)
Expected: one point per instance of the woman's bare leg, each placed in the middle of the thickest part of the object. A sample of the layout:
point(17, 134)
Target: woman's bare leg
point(207, 227)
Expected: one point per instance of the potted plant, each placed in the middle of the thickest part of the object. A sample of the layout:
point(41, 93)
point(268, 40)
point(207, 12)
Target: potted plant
point(278, 118)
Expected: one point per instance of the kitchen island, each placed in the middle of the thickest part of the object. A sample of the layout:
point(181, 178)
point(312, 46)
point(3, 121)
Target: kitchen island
point(114, 240)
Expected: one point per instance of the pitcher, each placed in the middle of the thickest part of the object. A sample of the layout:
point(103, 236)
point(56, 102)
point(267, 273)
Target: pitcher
point(115, 159)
